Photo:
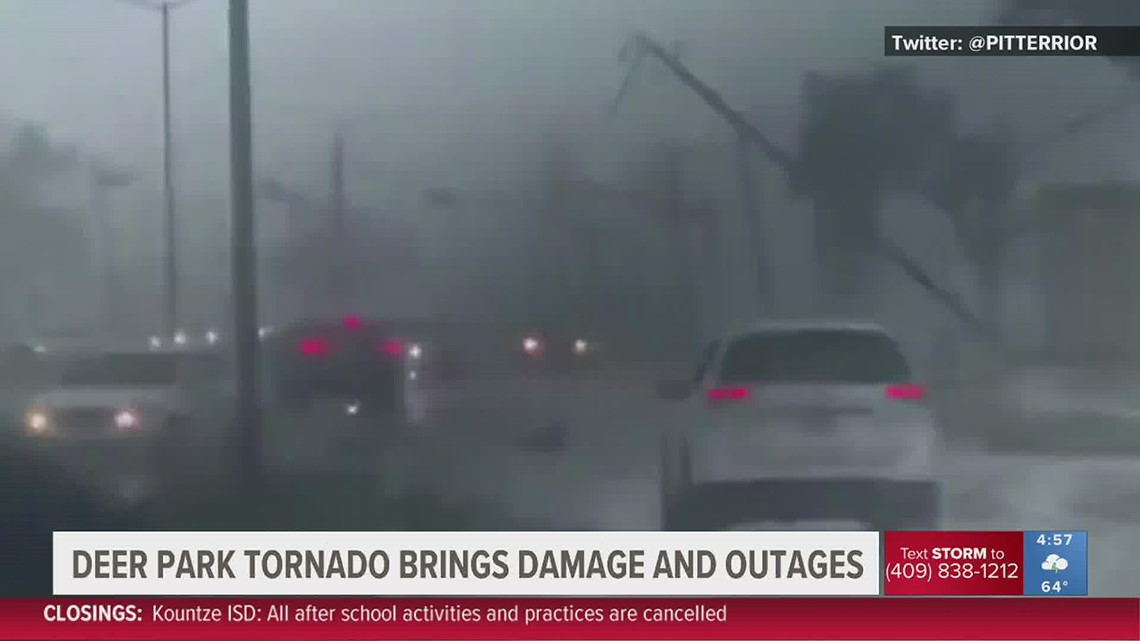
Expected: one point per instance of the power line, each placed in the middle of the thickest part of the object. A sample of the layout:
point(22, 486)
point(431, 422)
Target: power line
point(155, 5)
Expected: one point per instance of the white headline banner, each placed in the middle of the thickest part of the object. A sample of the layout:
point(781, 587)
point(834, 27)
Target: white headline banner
point(466, 563)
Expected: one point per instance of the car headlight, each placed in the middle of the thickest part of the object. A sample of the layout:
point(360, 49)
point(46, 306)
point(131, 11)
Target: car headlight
point(180, 338)
point(126, 419)
point(531, 345)
point(581, 347)
point(211, 337)
point(37, 420)
point(155, 342)
point(415, 351)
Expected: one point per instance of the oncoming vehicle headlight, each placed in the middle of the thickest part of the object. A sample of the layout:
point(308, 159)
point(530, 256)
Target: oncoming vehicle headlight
point(126, 419)
point(531, 345)
point(37, 420)
point(415, 351)
point(581, 346)
point(180, 338)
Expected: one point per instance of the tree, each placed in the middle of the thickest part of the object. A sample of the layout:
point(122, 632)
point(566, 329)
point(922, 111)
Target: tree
point(867, 136)
point(857, 145)
point(29, 164)
point(329, 262)
point(33, 156)
point(976, 188)
point(1078, 12)
point(567, 247)
point(642, 45)
point(1067, 12)
point(662, 181)
point(863, 137)
point(651, 190)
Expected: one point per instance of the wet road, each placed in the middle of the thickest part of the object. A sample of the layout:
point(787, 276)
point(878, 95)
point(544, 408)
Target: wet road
point(984, 492)
point(479, 444)
point(606, 477)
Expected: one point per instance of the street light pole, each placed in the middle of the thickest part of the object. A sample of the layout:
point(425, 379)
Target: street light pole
point(112, 296)
point(170, 272)
point(243, 253)
point(103, 181)
point(170, 229)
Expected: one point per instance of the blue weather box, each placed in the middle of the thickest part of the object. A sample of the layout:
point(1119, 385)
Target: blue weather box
point(1056, 563)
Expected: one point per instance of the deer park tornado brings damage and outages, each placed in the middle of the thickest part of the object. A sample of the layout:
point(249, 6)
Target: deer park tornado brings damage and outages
point(491, 564)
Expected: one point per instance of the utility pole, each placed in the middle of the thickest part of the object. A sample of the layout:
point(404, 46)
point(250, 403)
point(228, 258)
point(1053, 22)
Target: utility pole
point(753, 221)
point(243, 252)
point(339, 254)
point(112, 296)
point(170, 272)
point(747, 137)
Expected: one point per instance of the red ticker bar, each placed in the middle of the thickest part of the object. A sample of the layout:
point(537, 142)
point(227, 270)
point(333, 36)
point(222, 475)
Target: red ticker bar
point(664, 619)
point(954, 563)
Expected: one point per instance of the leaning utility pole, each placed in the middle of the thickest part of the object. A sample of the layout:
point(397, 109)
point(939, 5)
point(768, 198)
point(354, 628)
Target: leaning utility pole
point(170, 231)
point(641, 44)
point(246, 343)
point(750, 205)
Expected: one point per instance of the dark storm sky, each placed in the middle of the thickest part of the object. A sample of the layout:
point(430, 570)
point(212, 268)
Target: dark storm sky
point(419, 79)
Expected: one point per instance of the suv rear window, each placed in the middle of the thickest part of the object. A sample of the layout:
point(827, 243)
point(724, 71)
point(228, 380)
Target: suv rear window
point(815, 356)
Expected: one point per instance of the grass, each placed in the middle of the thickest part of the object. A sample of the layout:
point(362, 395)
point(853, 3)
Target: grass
point(974, 409)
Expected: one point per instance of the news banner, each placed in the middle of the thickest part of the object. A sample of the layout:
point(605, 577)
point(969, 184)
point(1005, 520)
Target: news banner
point(569, 585)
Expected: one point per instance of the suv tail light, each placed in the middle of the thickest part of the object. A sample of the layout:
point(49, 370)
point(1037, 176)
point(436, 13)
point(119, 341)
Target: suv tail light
point(725, 394)
point(313, 347)
point(909, 392)
point(393, 348)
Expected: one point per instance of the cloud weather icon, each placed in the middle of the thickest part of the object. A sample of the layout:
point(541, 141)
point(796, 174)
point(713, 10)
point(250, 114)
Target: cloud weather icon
point(1054, 562)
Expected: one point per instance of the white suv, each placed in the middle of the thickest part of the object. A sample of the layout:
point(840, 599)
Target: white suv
point(793, 422)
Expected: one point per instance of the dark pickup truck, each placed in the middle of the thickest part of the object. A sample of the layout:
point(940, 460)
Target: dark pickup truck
point(351, 360)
